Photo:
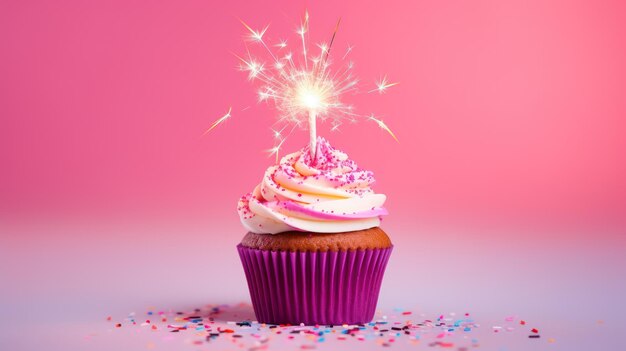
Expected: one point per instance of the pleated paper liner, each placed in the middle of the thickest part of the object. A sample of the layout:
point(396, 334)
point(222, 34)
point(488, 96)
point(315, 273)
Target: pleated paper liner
point(332, 287)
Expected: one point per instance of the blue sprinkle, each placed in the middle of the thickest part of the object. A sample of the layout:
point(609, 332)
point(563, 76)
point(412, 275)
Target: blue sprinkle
point(467, 329)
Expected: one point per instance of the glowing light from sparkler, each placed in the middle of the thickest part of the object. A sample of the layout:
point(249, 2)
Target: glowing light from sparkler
point(303, 90)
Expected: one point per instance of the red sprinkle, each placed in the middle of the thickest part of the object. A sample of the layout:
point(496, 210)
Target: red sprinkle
point(534, 330)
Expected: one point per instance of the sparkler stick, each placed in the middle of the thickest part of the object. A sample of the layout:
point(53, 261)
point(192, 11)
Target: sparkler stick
point(312, 133)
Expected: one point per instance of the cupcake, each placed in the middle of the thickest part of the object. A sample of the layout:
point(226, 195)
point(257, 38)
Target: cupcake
point(314, 252)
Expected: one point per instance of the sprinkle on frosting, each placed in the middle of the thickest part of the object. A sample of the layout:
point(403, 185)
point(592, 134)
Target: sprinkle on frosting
point(325, 194)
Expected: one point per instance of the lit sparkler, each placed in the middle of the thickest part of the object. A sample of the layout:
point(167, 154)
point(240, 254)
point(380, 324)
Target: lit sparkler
point(303, 89)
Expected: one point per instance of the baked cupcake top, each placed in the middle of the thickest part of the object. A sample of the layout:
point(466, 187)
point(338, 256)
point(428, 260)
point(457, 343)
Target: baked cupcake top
point(367, 239)
point(327, 193)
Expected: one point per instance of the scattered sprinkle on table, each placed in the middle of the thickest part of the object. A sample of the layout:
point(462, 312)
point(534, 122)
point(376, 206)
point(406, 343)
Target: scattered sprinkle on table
point(236, 324)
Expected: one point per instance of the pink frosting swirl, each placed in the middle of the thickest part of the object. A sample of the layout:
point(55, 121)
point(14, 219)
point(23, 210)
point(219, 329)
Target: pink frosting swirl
point(328, 194)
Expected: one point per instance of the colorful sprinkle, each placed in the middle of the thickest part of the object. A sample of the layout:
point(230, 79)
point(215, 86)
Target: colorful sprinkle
point(227, 324)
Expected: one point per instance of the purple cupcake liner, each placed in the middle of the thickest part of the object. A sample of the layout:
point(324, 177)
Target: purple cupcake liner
point(332, 287)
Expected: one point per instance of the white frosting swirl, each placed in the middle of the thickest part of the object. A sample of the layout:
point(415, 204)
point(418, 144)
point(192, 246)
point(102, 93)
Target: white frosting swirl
point(329, 194)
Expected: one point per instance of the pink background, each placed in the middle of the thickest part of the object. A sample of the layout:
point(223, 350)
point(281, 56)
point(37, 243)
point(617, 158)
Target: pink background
point(507, 190)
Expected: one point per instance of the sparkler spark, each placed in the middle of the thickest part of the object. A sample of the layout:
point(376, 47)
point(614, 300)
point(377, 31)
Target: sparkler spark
point(303, 89)
point(219, 121)
point(276, 149)
point(281, 44)
point(383, 126)
point(348, 50)
point(304, 28)
point(278, 134)
point(382, 85)
point(255, 34)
